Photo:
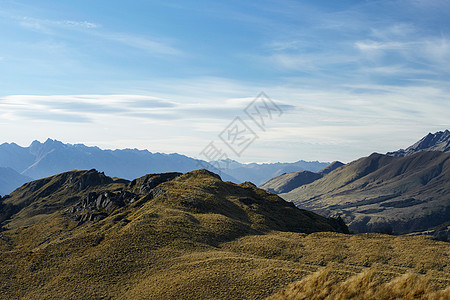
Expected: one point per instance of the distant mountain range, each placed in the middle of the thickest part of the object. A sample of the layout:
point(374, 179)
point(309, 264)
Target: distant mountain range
point(260, 173)
point(52, 157)
point(289, 181)
point(402, 192)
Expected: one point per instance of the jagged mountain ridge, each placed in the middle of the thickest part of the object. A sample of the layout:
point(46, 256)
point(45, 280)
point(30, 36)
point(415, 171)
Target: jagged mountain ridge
point(383, 193)
point(52, 157)
point(439, 141)
point(289, 181)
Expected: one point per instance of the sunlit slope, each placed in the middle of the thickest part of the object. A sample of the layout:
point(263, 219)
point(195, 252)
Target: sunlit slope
point(289, 181)
point(83, 235)
point(383, 193)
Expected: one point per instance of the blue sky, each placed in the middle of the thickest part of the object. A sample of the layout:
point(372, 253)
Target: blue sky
point(352, 77)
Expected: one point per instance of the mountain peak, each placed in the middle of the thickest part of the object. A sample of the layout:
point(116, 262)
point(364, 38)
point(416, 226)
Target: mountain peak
point(51, 142)
point(331, 167)
point(439, 141)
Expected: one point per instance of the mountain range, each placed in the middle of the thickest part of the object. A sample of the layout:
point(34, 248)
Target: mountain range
point(439, 141)
point(258, 173)
point(52, 157)
point(401, 192)
point(85, 235)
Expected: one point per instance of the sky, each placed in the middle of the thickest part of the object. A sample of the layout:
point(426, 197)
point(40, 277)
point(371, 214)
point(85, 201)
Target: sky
point(341, 79)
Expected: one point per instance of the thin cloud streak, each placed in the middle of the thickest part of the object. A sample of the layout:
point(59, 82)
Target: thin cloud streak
point(53, 27)
point(374, 116)
point(126, 105)
point(47, 26)
point(144, 44)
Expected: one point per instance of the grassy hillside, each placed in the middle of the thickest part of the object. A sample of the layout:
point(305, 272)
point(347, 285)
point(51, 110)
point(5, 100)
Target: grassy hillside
point(383, 193)
point(82, 235)
point(287, 182)
point(290, 181)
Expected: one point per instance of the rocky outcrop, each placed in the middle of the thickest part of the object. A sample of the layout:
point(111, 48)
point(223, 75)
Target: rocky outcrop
point(96, 206)
point(145, 184)
point(7, 210)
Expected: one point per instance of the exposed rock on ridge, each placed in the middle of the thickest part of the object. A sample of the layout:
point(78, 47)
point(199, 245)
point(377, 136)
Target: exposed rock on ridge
point(439, 141)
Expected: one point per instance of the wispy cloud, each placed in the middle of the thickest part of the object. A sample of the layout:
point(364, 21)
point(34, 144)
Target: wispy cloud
point(53, 27)
point(134, 106)
point(82, 108)
point(394, 31)
point(52, 116)
point(48, 26)
point(142, 43)
point(409, 43)
point(328, 122)
point(377, 46)
point(83, 24)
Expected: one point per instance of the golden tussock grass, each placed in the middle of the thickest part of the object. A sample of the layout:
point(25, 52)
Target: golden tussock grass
point(371, 283)
point(202, 238)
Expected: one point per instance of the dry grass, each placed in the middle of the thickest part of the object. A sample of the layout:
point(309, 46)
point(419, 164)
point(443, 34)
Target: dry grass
point(198, 240)
point(371, 283)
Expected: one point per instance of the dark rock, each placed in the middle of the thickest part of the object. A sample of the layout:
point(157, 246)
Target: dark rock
point(7, 210)
point(247, 201)
point(341, 226)
point(442, 234)
point(97, 206)
point(145, 184)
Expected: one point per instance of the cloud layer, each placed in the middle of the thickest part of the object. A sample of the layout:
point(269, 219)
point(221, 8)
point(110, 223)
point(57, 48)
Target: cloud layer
point(351, 77)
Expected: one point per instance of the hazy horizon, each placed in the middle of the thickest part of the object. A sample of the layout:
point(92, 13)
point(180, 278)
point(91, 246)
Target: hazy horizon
point(349, 78)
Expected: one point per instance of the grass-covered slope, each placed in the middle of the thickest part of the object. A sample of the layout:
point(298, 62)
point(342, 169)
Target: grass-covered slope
point(290, 181)
point(287, 182)
point(82, 235)
point(383, 193)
